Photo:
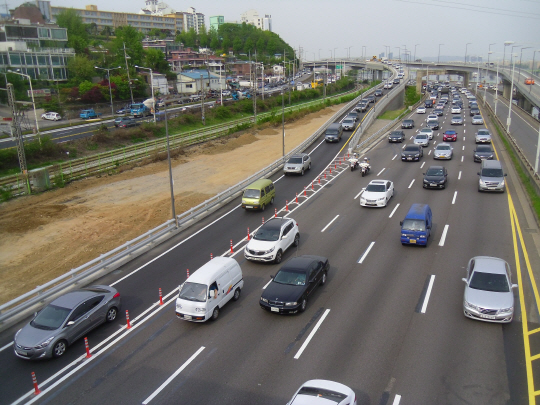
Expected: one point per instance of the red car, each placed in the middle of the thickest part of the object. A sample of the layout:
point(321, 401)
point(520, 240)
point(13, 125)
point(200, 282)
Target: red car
point(449, 136)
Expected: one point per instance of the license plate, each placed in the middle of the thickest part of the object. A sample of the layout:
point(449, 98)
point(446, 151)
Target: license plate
point(188, 317)
point(409, 158)
point(22, 353)
point(433, 185)
point(249, 206)
point(412, 240)
point(274, 309)
point(487, 316)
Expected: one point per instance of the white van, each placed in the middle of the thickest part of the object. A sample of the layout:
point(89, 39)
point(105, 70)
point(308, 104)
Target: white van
point(208, 289)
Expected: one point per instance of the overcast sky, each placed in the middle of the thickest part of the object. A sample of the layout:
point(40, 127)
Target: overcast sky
point(325, 25)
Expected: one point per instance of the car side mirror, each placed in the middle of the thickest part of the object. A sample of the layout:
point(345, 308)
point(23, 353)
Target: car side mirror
point(464, 279)
point(514, 286)
point(284, 237)
point(401, 223)
point(70, 323)
point(424, 174)
point(428, 227)
point(478, 173)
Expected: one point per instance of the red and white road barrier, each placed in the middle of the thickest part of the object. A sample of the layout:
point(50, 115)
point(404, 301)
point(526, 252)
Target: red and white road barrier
point(160, 297)
point(305, 193)
point(263, 221)
point(330, 169)
point(127, 319)
point(319, 180)
point(232, 251)
point(87, 347)
point(249, 237)
point(335, 165)
point(211, 256)
point(325, 174)
point(286, 205)
point(312, 186)
point(187, 270)
point(34, 381)
point(296, 198)
point(275, 212)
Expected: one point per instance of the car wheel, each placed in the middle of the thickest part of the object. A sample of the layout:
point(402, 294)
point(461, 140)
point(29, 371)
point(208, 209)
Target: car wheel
point(278, 257)
point(262, 207)
point(272, 200)
point(111, 314)
point(323, 279)
point(236, 295)
point(309, 167)
point(215, 313)
point(302, 172)
point(59, 348)
point(296, 240)
point(303, 305)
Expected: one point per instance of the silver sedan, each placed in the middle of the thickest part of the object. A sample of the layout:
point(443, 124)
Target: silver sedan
point(457, 120)
point(65, 320)
point(297, 164)
point(477, 120)
point(488, 292)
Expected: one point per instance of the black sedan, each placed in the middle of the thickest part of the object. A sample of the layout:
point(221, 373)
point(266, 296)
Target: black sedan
point(433, 124)
point(396, 136)
point(435, 177)
point(378, 93)
point(407, 124)
point(295, 281)
point(483, 152)
point(125, 122)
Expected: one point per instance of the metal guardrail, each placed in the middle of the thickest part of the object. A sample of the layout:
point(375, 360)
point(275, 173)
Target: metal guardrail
point(25, 304)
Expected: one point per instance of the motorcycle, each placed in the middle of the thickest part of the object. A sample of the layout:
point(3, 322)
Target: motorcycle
point(365, 168)
point(354, 162)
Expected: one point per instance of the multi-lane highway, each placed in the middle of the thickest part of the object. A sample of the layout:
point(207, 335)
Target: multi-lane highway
point(388, 322)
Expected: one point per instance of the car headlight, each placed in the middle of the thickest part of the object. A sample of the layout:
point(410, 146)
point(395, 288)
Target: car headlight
point(504, 310)
point(381, 199)
point(290, 304)
point(441, 181)
point(501, 183)
point(200, 310)
point(417, 155)
point(422, 236)
point(264, 300)
point(45, 343)
point(270, 250)
point(469, 305)
point(404, 234)
point(476, 155)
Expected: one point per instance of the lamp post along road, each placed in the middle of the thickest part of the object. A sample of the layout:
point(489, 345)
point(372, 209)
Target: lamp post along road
point(33, 101)
point(509, 119)
point(108, 70)
point(520, 55)
point(466, 45)
point(151, 88)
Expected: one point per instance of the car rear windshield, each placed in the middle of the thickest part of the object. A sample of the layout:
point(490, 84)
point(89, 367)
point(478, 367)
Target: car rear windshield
point(295, 160)
point(331, 132)
point(193, 292)
point(291, 277)
point(252, 193)
point(376, 188)
point(492, 173)
point(433, 122)
point(489, 282)
point(50, 318)
point(413, 225)
point(421, 136)
point(333, 396)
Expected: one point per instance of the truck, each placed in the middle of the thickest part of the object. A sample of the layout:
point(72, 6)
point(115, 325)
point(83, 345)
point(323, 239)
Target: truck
point(140, 110)
point(89, 114)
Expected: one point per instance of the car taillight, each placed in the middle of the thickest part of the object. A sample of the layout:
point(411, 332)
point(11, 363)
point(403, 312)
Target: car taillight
point(116, 295)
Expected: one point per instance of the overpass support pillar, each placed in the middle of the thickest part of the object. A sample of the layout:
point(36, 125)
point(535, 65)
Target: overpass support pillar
point(526, 105)
point(466, 77)
point(419, 74)
point(378, 75)
point(507, 90)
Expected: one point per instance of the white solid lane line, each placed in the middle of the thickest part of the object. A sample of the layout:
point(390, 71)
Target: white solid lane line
point(397, 399)
point(330, 223)
point(454, 199)
point(267, 284)
point(428, 293)
point(459, 175)
point(443, 237)
point(410, 185)
point(393, 211)
point(395, 156)
point(358, 195)
point(317, 326)
point(365, 253)
point(172, 377)
point(316, 147)
point(382, 170)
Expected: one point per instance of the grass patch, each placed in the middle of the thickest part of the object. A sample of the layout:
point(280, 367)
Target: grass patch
point(391, 115)
point(525, 178)
point(411, 96)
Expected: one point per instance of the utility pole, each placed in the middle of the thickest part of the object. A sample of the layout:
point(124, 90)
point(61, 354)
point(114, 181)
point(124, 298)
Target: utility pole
point(127, 70)
point(256, 88)
point(202, 102)
point(16, 131)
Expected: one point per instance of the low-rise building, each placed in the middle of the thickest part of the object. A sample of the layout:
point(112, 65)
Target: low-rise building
point(199, 81)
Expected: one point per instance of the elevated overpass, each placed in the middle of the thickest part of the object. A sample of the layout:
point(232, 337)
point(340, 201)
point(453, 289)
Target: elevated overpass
point(357, 64)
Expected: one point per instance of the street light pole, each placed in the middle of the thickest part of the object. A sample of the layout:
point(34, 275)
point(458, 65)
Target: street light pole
point(506, 43)
point(532, 69)
point(509, 119)
point(33, 101)
point(485, 87)
point(151, 88)
point(520, 55)
point(439, 55)
point(497, 88)
point(466, 45)
point(127, 70)
point(108, 70)
point(415, 45)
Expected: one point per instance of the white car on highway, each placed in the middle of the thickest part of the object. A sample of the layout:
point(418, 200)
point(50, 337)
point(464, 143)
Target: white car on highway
point(377, 193)
point(426, 131)
point(272, 239)
point(421, 110)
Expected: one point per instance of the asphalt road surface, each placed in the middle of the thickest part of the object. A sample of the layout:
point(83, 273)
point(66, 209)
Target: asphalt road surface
point(388, 322)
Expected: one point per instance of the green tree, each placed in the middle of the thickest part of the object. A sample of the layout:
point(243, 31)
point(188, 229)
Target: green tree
point(85, 87)
point(237, 45)
point(107, 32)
point(80, 68)
point(132, 38)
point(155, 59)
point(76, 29)
point(204, 38)
point(248, 45)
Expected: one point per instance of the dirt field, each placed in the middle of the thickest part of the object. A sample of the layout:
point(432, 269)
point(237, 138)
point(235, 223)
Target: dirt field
point(43, 236)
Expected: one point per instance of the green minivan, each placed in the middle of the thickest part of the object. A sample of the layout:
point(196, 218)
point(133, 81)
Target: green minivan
point(258, 195)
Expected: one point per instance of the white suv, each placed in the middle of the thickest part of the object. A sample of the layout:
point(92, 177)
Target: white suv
point(272, 239)
point(51, 116)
